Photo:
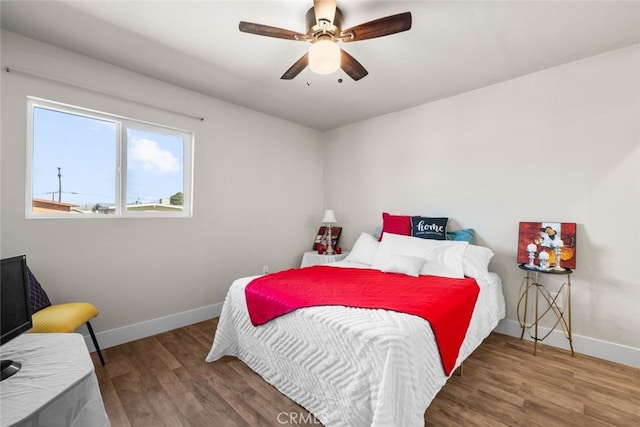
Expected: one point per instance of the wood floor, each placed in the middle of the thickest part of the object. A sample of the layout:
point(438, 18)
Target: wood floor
point(164, 381)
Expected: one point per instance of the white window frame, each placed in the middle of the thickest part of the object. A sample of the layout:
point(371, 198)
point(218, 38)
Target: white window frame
point(122, 124)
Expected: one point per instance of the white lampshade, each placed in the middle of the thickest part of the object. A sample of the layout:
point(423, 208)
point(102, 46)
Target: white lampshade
point(329, 217)
point(324, 57)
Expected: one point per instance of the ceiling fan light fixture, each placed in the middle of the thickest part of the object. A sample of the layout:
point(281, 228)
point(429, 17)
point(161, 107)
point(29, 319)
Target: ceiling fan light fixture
point(324, 56)
point(324, 30)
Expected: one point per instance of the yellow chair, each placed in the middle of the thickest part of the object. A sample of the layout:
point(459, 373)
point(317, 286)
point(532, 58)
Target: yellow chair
point(65, 318)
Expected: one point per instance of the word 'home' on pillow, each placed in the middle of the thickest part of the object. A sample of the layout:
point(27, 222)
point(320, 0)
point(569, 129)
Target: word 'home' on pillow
point(429, 228)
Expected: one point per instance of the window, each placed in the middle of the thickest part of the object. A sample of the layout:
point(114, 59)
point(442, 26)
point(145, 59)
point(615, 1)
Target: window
point(84, 163)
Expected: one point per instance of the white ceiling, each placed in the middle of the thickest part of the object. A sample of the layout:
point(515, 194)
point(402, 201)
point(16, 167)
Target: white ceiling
point(453, 47)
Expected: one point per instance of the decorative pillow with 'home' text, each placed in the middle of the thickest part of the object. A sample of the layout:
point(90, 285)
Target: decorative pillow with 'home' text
point(429, 228)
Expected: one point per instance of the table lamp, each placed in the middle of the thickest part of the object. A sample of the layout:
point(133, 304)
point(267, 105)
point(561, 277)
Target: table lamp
point(329, 219)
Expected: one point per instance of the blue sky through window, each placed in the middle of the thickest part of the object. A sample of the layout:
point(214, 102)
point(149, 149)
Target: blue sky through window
point(85, 150)
point(154, 166)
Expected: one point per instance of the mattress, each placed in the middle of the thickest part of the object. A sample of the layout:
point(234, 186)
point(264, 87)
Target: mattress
point(350, 366)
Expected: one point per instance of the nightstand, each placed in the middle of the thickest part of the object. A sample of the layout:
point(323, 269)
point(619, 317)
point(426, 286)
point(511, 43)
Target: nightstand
point(551, 303)
point(314, 258)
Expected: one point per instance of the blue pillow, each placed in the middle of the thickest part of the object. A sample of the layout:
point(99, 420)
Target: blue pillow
point(377, 232)
point(465, 235)
point(429, 228)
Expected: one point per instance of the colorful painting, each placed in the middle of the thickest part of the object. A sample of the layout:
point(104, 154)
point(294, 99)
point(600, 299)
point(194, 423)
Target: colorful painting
point(321, 237)
point(549, 238)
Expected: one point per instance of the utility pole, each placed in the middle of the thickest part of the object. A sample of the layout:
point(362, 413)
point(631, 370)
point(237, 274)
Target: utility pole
point(59, 185)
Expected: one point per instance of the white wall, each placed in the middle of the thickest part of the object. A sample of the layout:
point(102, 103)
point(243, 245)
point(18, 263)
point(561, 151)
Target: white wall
point(257, 197)
point(558, 145)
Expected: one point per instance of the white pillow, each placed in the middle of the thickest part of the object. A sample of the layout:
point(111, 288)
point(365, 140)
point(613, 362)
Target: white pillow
point(403, 264)
point(475, 262)
point(442, 257)
point(364, 251)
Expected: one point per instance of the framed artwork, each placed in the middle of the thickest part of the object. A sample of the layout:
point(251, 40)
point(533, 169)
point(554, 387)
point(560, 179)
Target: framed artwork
point(549, 237)
point(321, 237)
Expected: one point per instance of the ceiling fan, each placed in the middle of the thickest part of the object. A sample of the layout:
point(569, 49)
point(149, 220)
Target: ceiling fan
point(324, 30)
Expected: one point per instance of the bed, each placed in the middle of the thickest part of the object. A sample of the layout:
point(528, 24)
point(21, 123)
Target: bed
point(353, 366)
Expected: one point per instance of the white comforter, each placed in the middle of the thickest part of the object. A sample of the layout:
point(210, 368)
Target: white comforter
point(350, 366)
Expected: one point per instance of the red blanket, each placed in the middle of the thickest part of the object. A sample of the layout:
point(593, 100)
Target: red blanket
point(446, 303)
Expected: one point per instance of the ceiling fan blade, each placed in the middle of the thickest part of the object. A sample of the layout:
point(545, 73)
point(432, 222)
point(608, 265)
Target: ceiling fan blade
point(351, 66)
point(378, 28)
point(266, 30)
point(324, 10)
point(296, 68)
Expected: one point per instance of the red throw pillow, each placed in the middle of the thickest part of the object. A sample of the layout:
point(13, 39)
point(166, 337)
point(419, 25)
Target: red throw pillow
point(396, 224)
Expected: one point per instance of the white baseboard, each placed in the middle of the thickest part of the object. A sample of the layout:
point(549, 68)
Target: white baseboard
point(584, 345)
point(151, 327)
